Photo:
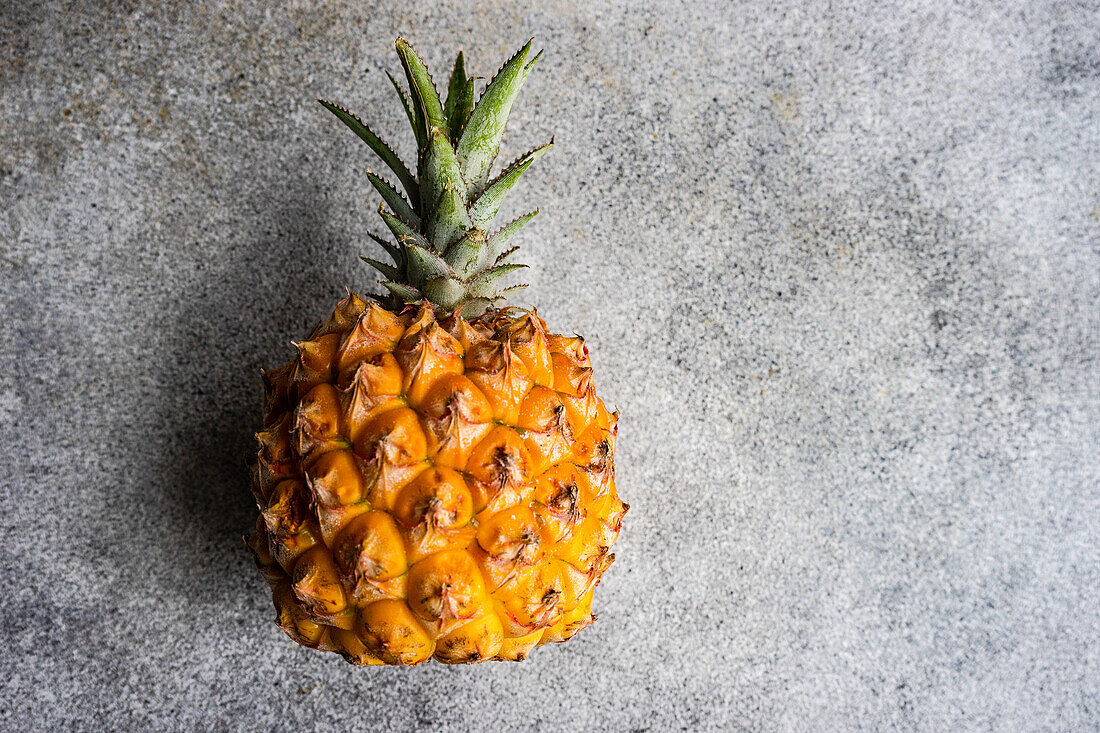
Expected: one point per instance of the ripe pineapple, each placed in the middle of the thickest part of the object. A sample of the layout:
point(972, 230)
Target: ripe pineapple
point(435, 475)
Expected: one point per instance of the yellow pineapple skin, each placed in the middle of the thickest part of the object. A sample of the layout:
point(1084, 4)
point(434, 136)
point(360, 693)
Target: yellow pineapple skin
point(434, 489)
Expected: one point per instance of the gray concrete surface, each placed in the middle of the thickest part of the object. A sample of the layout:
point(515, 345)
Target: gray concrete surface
point(839, 266)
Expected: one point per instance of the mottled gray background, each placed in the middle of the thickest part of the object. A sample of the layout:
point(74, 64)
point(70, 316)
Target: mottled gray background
point(839, 267)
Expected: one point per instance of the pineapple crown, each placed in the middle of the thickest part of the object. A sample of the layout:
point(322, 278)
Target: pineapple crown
point(444, 253)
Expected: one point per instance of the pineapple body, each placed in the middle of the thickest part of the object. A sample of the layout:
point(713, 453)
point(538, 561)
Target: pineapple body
point(434, 488)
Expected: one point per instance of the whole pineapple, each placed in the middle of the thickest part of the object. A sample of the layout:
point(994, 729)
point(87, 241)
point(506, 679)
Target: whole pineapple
point(436, 473)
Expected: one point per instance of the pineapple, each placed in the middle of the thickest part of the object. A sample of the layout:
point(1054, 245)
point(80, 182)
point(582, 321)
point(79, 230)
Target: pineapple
point(435, 475)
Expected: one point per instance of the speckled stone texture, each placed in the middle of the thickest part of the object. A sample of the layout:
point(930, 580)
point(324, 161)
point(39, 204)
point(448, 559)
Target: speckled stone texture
point(839, 268)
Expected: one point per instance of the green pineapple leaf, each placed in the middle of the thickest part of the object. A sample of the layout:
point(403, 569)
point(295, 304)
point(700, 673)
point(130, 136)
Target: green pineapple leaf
point(449, 218)
point(498, 240)
point(475, 307)
point(454, 87)
point(468, 254)
point(412, 111)
point(484, 281)
point(460, 99)
point(445, 292)
point(395, 200)
point(379, 146)
point(530, 65)
point(439, 169)
point(505, 255)
point(404, 293)
point(507, 292)
point(480, 140)
point(463, 107)
point(393, 250)
point(485, 207)
point(425, 265)
point(402, 231)
point(420, 81)
point(388, 271)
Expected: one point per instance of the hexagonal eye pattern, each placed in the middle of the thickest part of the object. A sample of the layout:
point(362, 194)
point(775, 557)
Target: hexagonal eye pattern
point(434, 489)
